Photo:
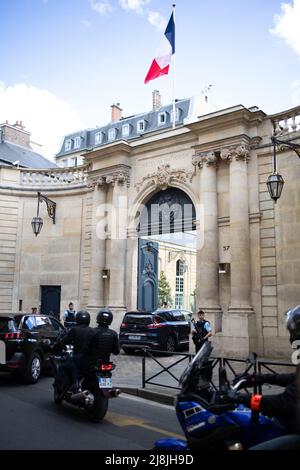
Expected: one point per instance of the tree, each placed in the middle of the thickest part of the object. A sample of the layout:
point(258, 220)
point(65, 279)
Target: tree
point(164, 289)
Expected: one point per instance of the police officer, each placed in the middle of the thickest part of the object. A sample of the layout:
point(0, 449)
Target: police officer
point(202, 331)
point(69, 316)
point(105, 341)
point(284, 406)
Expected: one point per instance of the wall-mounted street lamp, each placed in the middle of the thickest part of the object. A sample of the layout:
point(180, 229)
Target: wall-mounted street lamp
point(37, 222)
point(275, 181)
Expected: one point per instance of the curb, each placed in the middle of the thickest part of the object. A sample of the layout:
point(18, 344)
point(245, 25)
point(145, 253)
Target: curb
point(149, 395)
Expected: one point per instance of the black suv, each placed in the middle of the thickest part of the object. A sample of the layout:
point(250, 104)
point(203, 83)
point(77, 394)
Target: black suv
point(165, 330)
point(25, 344)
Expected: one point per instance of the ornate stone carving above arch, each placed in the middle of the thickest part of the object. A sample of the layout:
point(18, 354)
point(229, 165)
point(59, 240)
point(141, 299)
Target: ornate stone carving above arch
point(164, 177)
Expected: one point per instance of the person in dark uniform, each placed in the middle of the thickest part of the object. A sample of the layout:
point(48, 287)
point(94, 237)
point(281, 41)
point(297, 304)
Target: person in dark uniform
point(105, 340)
point(202, 331)
point(80, 337)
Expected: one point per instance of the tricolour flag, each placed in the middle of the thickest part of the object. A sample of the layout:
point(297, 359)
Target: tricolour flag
point(160, 65)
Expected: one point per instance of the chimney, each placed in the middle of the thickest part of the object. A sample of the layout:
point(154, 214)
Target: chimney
point(156, 100)
point(116, 112)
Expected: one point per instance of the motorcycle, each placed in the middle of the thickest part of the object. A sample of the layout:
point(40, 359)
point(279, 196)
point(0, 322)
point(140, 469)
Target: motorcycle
point(210, 421)
point(95, 386)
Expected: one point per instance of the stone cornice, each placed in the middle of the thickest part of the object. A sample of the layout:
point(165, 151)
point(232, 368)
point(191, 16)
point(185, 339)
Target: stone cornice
point(227, 118)
point(164, 177)
point(107, 150)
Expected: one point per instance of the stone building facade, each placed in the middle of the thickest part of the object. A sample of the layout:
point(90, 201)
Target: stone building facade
point(221, 161)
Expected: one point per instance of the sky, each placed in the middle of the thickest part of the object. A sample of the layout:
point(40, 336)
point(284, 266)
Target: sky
point(65, 62)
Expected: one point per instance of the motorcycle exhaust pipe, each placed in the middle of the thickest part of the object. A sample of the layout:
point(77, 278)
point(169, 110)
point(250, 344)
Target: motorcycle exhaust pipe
point(114, 392)
point(79, 395)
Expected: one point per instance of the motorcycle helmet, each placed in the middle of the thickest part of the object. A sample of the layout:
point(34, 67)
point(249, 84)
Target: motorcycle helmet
point(104, 317)
point(82, 317)
point(293, 323)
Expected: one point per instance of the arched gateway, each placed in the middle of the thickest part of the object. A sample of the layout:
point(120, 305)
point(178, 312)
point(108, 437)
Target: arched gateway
point(167, 211)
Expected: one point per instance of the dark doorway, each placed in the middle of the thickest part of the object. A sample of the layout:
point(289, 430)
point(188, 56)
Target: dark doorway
point(50, 304)
point(147, 275)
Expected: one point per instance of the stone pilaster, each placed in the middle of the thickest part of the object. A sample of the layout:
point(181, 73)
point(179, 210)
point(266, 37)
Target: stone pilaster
point(207, 240)
point(96, 287)
point(239, 324)
point(116, 248)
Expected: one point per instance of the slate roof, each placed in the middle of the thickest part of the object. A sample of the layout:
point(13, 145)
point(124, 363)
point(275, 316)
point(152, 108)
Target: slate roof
point(87, 137)
point(10, 153)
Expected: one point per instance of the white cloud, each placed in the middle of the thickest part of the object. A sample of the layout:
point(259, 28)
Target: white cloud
point(47, 117)
point(157, 20)
point(134, 5)
point(103, 8)
point(287, 25)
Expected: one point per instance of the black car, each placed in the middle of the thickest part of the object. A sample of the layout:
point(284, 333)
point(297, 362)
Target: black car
point(25, 342)
point(165, 330)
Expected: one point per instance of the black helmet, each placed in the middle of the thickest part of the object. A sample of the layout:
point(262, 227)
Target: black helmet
point(104, 317)
point(82, 317)
point(293, 323)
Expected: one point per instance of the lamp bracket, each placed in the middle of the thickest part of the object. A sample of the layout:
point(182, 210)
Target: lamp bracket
point(292, 145)
point(51, 205)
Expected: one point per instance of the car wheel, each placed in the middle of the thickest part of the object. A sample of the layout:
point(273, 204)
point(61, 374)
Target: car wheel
point(128, 350)
point(33, 369)
point(170, 344)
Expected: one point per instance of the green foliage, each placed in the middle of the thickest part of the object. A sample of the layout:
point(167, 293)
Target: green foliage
point(164, 290)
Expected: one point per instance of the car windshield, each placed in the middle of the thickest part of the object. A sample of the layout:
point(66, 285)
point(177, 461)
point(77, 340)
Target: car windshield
point(138, 319)
point(7, 325)
point(195, 365)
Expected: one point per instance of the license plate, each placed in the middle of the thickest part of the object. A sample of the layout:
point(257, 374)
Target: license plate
point(105, 382)
point(137, 338)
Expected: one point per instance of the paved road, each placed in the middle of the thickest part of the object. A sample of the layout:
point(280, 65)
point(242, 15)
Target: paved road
point(30, 420)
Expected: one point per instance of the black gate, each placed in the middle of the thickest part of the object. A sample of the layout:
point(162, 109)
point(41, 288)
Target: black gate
point(50, 304)
point(147, 275)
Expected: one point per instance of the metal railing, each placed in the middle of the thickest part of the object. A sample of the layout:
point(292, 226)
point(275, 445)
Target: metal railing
point(232, 366)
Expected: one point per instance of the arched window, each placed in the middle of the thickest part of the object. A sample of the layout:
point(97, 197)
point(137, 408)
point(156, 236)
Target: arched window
point(179, 289)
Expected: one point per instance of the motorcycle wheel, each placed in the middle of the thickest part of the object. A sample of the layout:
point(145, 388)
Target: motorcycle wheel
point(97, 412)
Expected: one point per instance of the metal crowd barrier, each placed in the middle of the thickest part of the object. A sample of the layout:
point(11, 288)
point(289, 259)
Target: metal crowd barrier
point(230, 364)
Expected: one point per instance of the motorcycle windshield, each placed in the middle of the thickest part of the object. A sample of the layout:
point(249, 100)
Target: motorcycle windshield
point(195, 365)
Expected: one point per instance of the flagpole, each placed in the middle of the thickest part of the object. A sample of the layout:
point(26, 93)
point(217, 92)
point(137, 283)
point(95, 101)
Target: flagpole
point(174, 118)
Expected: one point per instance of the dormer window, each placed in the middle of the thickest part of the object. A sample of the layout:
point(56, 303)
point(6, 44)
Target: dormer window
point(77, 142)
point(68, 145)
point(162, 118)
point(176, 114)
point(98, 138)
point(141, 126)
point(112, 134)
point(125, 130)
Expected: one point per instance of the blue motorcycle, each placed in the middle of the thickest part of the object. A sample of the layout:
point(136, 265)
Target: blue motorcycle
point(208, 422)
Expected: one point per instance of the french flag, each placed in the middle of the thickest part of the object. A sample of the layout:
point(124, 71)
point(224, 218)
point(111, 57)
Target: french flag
point(160, 65)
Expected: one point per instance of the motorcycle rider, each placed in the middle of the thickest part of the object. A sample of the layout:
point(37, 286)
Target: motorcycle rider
point(105, 340)
point(284, 406)
point(80, 337)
